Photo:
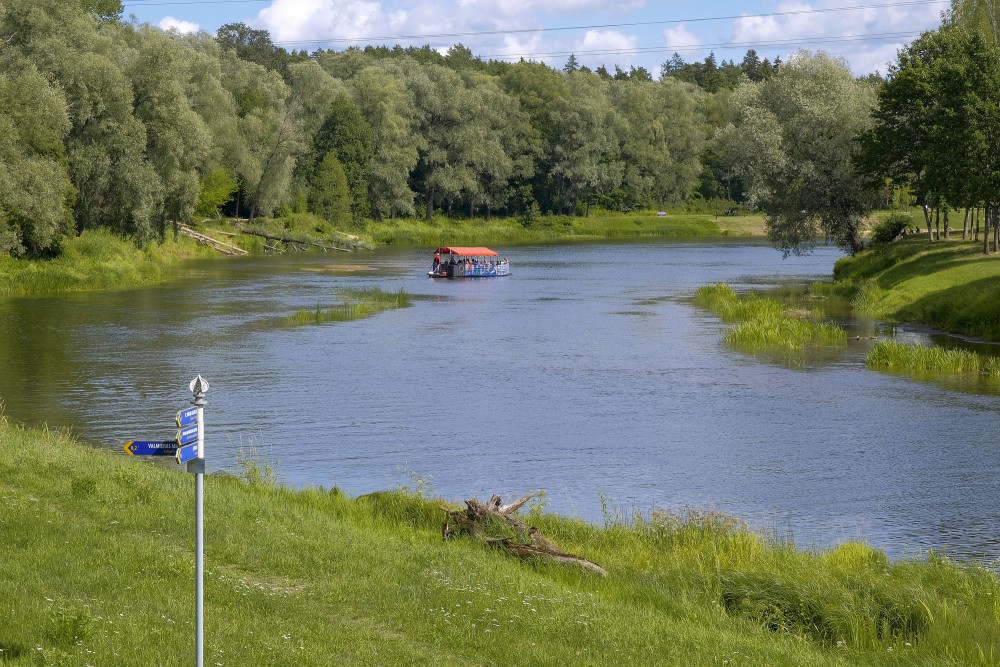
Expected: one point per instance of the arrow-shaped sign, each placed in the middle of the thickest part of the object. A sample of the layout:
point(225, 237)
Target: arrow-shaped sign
point(187, 417)
point(187, 435)
point(151, 447)
point(187, 452)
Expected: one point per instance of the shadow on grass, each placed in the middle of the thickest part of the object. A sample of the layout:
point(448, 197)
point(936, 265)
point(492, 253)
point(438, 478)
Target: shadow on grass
point(972, 309)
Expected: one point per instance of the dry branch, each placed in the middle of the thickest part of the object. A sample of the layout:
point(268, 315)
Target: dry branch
point(221, 246)
point(481, 519)
point(289, 241)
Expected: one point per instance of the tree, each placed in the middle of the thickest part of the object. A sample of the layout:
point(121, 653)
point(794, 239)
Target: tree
point(572, 64)
point(347, 134)
point(329, 197)
point(254, 46)
point(793, 146)
point(938, 122)
point(35, 190)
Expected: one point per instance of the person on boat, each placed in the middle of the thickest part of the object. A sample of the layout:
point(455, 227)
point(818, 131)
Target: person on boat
point(437, 262)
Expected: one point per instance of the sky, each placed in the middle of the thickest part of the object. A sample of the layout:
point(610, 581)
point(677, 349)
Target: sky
point(623, 33)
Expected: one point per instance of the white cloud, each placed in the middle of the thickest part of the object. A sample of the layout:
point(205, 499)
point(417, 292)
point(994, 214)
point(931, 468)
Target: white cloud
point(678, 38)
point(291, 20)
point(826, 26)
point(606, 47)
point(183, 27)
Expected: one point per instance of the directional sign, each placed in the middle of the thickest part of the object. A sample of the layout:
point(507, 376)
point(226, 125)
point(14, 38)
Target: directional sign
point(187, 452)
point(187, 417)
point(187, 435)
point(151, 447)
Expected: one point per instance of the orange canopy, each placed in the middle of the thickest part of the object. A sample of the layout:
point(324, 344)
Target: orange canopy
point(467, 252)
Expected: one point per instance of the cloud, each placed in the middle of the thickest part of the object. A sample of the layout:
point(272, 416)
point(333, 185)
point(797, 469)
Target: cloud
point(606, 47)
point(847, 33)
point(677, 38)
point(294, 20)
point(183, 27)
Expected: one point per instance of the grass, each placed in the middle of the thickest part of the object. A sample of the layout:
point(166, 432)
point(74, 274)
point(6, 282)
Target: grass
point(95, 260)
point(763, 325)
point(357, 305)
point(919, 359)
point(97, 564)
point(949, 285)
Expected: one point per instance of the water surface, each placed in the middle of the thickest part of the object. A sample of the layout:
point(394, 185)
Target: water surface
point(587, 373)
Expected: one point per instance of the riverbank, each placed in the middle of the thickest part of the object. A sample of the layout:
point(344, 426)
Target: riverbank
point(98, 560)
point(949, 285)
point(98, 260)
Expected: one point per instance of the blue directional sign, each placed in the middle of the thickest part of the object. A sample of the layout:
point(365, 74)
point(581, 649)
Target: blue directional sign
point(187, 417)
point(187, 452)
point(151, 447)
point(187, 435)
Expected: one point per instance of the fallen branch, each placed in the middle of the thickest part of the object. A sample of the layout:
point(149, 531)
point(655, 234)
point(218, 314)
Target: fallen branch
point(221, 246)
point(289, 241)
point(481, 519)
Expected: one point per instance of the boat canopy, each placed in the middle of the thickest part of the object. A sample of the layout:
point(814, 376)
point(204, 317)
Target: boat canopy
point(467, 252)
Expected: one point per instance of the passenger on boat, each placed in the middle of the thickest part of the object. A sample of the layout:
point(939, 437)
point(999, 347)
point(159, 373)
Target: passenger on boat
point(437, 262)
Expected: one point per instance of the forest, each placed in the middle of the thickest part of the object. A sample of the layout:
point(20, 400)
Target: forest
point(110, 124)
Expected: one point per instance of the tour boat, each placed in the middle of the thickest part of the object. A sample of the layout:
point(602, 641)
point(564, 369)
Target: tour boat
point(456, 262)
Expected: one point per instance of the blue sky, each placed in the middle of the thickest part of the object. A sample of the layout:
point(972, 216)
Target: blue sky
point(627, 33)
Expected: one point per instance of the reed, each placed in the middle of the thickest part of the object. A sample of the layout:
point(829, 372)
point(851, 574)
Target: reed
point(358, 304)
point(924, 360)
point(98, 549)
point(763, 325)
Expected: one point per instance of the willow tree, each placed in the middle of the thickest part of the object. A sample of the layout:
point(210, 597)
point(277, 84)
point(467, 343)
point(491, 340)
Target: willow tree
point(793, 145)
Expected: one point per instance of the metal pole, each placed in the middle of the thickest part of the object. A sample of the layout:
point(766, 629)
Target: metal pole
point(198, 387)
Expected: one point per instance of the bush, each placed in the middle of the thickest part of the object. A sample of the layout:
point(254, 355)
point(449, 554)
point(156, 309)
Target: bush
point(889, 228)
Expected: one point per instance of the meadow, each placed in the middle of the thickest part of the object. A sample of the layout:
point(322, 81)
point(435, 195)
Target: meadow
point(97, 566)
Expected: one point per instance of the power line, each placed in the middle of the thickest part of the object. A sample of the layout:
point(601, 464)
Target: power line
point(483, 33)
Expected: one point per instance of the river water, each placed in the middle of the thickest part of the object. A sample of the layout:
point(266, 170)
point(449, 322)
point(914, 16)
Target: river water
point(587, 374)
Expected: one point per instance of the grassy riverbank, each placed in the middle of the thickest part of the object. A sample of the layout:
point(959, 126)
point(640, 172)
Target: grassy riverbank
point(99, 260)
point(97, 565)
point(950, 285)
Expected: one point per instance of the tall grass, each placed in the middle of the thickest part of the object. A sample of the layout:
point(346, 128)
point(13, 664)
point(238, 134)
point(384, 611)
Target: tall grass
point(357, 305)
point(97, 563)
point(763, 324)
point(920, 359)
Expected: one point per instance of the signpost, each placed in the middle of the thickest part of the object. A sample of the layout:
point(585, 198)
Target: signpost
point(188, 446)
point(151, 447)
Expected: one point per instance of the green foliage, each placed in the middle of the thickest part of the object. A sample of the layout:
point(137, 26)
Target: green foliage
point(329, 196)
point(217, 188)
point(889, 228)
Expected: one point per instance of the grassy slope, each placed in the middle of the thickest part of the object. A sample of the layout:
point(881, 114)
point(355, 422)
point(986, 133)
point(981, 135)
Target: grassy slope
point(96, 565)
point(948, 284)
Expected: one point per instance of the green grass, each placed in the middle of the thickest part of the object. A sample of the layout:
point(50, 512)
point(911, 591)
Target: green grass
point(920, 360)
point(546, 229)
point(950, 285)
point(93, 261)
point(763, 325)
point(97, 566)
point(357, 305)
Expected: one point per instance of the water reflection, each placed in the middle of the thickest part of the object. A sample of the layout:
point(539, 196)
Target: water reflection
point(585, 373)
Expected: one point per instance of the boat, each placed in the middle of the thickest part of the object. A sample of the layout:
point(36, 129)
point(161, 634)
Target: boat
point(462, 262)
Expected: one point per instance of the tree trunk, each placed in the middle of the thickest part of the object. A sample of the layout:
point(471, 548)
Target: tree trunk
point(965, 225)
point(947, 228)
point(430, 204)
point(986, 229)
point(927, 219)
point(937, 224)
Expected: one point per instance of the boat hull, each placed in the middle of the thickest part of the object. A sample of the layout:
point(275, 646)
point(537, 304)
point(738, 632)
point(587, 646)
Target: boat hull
point(477, 271)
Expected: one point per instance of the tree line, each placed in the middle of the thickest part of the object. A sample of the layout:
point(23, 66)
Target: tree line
point(105, 123)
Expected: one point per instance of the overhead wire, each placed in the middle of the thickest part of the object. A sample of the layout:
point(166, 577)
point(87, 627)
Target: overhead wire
point(514, 31)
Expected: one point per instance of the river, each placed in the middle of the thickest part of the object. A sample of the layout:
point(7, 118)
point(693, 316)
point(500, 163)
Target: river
point(587, 374)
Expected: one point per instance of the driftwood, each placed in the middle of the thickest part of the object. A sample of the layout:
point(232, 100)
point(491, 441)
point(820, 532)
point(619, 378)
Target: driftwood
point(221, 246)
point(295, 244)
point(481, 519)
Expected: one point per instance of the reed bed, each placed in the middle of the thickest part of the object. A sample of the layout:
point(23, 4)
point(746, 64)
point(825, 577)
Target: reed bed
point(764, 325)
point(920, 359)
point(358, 304)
